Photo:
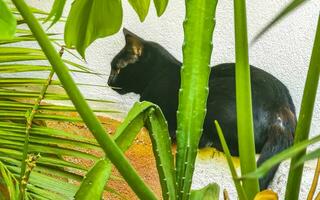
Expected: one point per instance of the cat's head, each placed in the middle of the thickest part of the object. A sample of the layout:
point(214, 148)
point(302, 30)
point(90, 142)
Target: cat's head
point(127, 67)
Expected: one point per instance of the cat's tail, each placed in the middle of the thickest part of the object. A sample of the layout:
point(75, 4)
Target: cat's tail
point(280, 137)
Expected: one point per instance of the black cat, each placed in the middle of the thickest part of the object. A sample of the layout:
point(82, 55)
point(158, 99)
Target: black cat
point(147, 69)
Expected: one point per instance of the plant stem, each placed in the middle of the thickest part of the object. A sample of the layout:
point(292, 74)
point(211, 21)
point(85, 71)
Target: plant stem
point(29, 118)
point(112, 151)
point(243, 100)
point(315, 181)
point(198, 27)
point(305, 117)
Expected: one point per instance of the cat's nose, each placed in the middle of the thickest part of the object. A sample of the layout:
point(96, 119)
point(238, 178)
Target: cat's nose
point(112, 78)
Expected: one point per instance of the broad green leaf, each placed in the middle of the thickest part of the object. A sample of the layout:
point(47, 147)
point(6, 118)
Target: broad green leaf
point(287, 10)
point(161, 6)
point(89, 20)
point(242, 195)
point(7, 22)
point(210, 192)
point(141, 7)
point(56, 11)
point(92, 186)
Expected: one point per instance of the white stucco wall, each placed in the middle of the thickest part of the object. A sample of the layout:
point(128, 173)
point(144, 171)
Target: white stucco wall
point(284, 52)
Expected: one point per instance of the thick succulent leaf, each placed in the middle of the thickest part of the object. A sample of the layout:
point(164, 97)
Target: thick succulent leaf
point(161, 144)
point(141, 7)
point(7, 22)
point(92, 186)
point(287, 10)
point(198, 28)
point(89, 20)
point(161, 6)
point(56, 11)
point(151, 115)
point(210, 192)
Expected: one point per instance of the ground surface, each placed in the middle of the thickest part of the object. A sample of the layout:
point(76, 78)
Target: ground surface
point(140, 155)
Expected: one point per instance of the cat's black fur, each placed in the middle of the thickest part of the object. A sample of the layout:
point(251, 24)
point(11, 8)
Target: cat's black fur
point(146, 68)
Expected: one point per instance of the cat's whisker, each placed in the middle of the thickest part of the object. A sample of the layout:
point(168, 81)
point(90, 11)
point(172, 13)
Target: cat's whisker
point(112, 87)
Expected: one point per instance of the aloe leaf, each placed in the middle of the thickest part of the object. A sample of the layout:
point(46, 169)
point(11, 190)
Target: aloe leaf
point(288, 9)
point(150, 115)
point(7, 22)
point(141, 7)
point(141, 113)
point(92, 186)
point(210, 192)
point(161, 6)
point(161, 144)
point(198, 28)
point(89, 20)
point(242, 195)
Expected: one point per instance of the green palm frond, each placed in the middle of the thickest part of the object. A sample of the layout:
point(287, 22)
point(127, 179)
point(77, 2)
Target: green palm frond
point(27, 88)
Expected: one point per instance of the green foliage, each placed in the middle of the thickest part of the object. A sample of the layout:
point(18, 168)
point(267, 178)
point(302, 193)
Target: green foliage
point(286, 154)
point(7, 22)
point(21, 130)
point(141, 7)
point(109, 146)
point(92, 186)
point(149, 115)
point(8, 181)
point(161, 6)
point(287, 10)
point(20, 95)
point(198, 28)
point(243, 99)
point(306, 111)
point(305, 117)
point(210, 192)
point(56, 11)
point(89, 20)
point(237, 183)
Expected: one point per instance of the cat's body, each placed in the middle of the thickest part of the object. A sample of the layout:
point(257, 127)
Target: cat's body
point(149, 70)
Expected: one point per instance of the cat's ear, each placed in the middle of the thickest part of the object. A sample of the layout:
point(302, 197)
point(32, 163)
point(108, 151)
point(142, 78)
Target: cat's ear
point(133, 41)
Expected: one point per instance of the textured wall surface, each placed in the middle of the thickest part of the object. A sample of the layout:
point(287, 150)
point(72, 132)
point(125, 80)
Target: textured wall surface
point(284, 52)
